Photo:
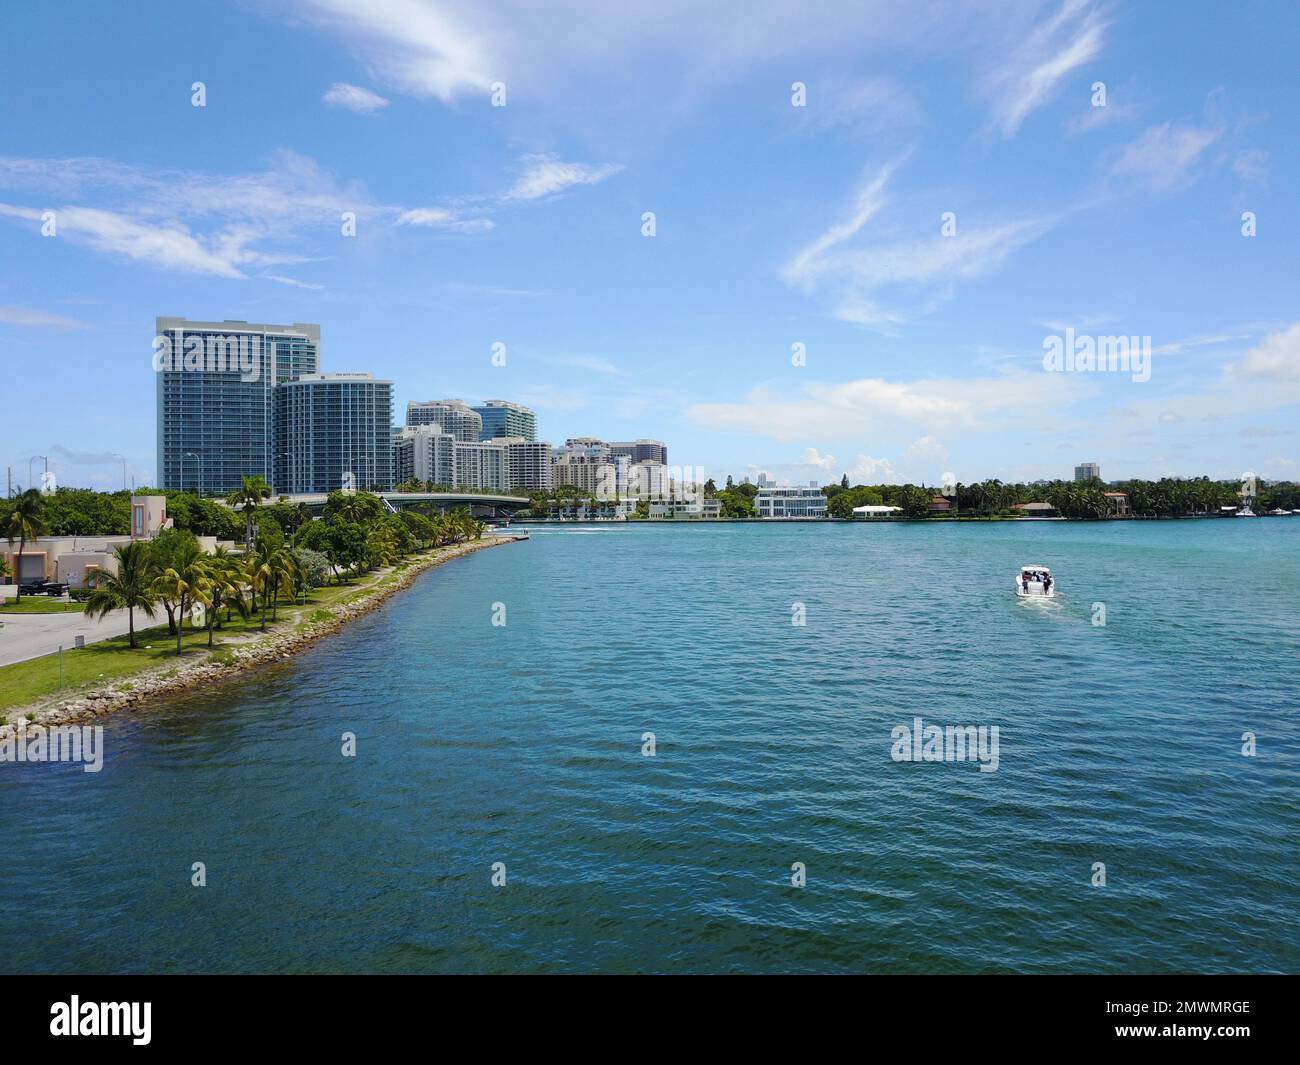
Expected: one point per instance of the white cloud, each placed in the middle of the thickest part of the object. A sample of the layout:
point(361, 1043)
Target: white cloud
point(170, 246)
point(220, 225)
point(418, 48)
point(855, 272)
point(1277, 357)
point(926, 447)
point(841, 411)
point(546, 175)
point(1251, 165)
point(33, 319)
point(354, 98)
point(811, 261)
point(292, 282)
point(867, 470)
point(1029, 76)
point(1163, 156)
point(444, 219)
point(812, 459)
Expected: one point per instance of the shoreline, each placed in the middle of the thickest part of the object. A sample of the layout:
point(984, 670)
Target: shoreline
point(135, 690)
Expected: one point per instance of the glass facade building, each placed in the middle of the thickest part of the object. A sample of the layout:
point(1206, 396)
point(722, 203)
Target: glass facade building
point(334, 432)
point(502, 419)
point(641, 450)
point(216, 406)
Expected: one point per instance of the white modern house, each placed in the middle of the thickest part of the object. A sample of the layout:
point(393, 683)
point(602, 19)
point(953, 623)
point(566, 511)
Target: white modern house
point(781, 501)
point(681, 508)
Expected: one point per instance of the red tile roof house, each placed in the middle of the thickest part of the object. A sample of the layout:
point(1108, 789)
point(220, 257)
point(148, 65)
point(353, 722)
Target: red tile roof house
point(1034, 508)
point(939, 505)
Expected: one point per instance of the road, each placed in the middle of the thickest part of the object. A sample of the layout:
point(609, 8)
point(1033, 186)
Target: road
point(27, 636)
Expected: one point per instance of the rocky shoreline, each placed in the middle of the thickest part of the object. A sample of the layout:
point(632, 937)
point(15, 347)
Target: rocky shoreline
point(169, 678)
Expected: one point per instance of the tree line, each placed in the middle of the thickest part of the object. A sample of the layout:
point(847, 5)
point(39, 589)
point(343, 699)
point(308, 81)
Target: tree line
point(284, 552)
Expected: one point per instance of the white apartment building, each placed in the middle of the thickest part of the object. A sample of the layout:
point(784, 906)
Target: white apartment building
point(425, 453)
point(529, 462)
point(482, 464)
point(776, 501)
point(431, 454)
point(454, 415)
point(590, 465)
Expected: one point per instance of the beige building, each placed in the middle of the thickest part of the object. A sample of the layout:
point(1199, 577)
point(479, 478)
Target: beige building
point(72, 559)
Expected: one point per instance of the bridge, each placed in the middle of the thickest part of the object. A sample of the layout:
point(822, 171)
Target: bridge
point(488, 507)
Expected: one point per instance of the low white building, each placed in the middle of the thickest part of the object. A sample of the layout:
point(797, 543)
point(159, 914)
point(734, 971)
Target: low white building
point(694, 508)
point(781, 501)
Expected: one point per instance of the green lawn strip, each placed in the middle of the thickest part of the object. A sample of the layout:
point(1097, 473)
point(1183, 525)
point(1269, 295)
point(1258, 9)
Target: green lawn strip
point(38, 604)
point(110, 660)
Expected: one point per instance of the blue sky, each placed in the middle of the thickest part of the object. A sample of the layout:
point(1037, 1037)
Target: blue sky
point(775, 225)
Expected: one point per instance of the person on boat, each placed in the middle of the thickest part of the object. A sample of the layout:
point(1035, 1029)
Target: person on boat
point(1024, 582)
point(1047, 583)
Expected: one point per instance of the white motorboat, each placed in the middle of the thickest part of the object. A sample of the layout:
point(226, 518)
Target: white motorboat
point(1246, 512)
point(1035, 582)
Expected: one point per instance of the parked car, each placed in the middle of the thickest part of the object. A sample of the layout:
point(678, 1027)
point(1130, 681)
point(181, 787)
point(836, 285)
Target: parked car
point(43, 587)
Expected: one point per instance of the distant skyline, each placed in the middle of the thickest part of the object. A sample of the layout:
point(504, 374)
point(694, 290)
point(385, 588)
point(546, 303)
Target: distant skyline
point(945, 200)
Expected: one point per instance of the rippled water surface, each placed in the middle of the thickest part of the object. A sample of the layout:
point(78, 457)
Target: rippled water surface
point(522, 744)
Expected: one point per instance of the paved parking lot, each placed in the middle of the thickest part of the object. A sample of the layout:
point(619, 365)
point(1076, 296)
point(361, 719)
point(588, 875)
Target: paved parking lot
point(25, 636)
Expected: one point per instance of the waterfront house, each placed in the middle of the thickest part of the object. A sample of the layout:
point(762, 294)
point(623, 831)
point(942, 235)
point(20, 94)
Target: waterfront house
point(775, 501)
point(1117, 504)
point(682, 508)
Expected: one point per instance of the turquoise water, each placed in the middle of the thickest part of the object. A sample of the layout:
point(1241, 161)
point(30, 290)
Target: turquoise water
point(522, 744)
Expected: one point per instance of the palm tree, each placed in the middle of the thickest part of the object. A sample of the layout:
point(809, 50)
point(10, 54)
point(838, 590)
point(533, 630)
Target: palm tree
point(185, 583)
point(22, 523)
point(251, 491)
point(225, 577)
point(285, 574)
point(130, 587)
point(260, 575)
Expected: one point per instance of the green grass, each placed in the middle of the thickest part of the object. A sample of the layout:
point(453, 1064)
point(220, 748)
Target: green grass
point(98, 664)
point(39, 604)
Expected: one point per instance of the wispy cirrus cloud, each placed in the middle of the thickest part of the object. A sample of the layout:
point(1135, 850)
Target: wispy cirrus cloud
point(545, 175)
point(1164, 156)
point(1030, 73)
point(232, 226)
point(859, 274)
point(354, 98)
point(425, 50)
point(444, 218)
point(29, 318)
